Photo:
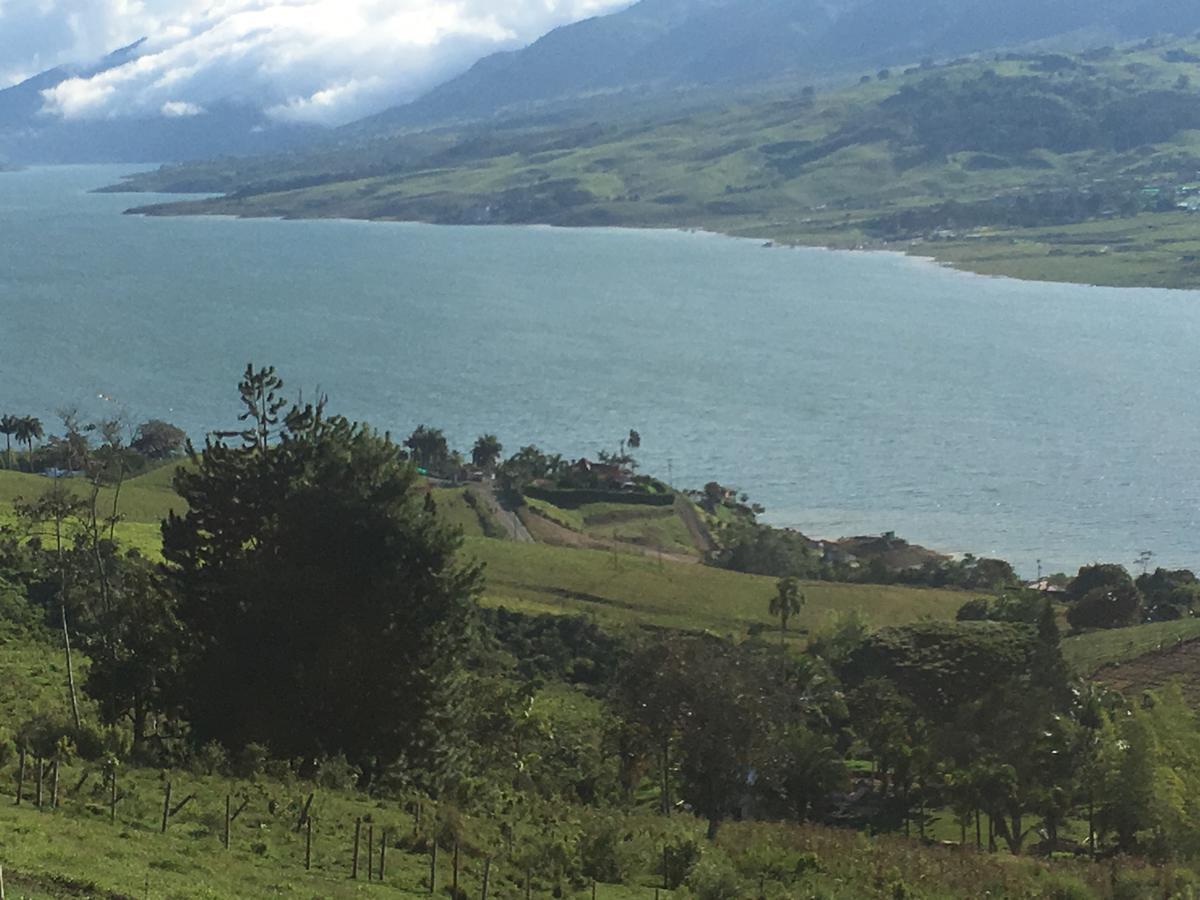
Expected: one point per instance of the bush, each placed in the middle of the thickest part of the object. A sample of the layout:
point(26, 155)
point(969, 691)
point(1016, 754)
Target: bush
point(977, 610)
point(599, 849)
point(251, 762)
point(679, 858)
point(336, 774)
point(715, 878)
point(1106, 607)
point(1065, 887)
point(8, 749)
point(211, 759)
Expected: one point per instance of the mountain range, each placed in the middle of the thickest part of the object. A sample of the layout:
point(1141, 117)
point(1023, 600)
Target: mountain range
point(653, 48)
point(672, 44)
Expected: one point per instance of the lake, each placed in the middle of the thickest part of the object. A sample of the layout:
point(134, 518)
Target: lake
point(848, 393)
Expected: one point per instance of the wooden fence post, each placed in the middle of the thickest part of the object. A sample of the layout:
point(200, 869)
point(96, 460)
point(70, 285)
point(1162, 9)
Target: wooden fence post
point(371, 852)
point(528, 883)
point(357, 835)
point(227, 820)
point(433, 866)
point(1, 882)
point(593, 889)
point(112, 796)
point(487, 872)
point(39, 772)
point(307, 844)
point(304, 813)
point(54, 785)
point(454, 883)
point(382, 853)
point(166, 807)
point(20, 775)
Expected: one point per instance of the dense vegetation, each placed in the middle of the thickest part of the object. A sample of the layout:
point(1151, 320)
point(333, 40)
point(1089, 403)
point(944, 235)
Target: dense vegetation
point(314, 624)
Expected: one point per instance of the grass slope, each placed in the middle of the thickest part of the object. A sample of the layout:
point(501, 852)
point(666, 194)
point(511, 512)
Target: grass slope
point(1090, 652)
point(76, 852)
point(621, 590)
point(825, 171)
point(616, 588)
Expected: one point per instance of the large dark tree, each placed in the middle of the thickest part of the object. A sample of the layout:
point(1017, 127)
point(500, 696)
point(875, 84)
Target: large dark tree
point(324, 607)
point(157, 439)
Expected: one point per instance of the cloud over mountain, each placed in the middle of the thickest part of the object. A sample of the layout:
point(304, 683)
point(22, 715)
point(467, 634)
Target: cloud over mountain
point(299, 60)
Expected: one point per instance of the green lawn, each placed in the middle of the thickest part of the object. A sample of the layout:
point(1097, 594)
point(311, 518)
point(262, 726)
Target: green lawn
point(620, 589)
point(1087, 653)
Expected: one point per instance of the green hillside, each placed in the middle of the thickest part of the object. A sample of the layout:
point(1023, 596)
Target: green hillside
point(621, 589)
point(618, 587)
point(1090, 652)
point(1038, 165)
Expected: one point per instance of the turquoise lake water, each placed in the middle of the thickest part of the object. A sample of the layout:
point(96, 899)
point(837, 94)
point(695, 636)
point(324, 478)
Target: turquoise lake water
point(848, 393)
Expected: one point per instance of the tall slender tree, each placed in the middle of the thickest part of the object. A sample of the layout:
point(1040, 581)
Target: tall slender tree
point(787, 602)
point(29, 429)
point(9, 426)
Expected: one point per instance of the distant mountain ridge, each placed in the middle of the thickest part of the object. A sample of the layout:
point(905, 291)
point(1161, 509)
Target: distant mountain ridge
point(29, 135)
point(676, 43)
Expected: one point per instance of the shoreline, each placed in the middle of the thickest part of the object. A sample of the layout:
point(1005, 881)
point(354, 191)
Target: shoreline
point(920, 259)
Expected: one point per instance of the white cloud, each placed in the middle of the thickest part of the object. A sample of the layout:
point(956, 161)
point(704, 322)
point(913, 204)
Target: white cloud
point(304, 60)
point(181, 109)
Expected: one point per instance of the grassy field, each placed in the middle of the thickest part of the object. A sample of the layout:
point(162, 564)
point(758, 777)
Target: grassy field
point(1089, 652)
point(143, 503)
point(620, 590)
point(649, 527)
point(617, 589)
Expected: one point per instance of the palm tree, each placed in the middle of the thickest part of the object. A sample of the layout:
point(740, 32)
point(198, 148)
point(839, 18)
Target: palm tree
point(28, 430)
point(787, 602)
point(8, 427)
point(486, 452)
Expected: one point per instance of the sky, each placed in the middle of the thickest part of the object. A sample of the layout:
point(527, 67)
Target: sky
point(325, 61)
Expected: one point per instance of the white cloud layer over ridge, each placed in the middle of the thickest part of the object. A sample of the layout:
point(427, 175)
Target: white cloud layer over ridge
point(326, 61)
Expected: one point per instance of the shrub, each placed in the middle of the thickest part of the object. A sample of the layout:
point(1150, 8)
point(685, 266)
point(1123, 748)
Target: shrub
point(679, 858)
point(251, 762)
point(8, 749)
point(211, 759)
point(599, 849)
point(715, 878)
point(336, 774)
point(1065, 887)
point(1106, 607)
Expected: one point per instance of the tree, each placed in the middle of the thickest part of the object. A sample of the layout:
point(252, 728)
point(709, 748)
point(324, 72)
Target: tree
point(1169, 594)
point(133, 649)
point(486, 452)
point(788, 601)
point(429, 448)
point(9, 426)
point(49, 516)
point(157, 439)
point(28, 430)
point(801, 770)
point(1106, 607)
point(324, 611)
point(1098, 575)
